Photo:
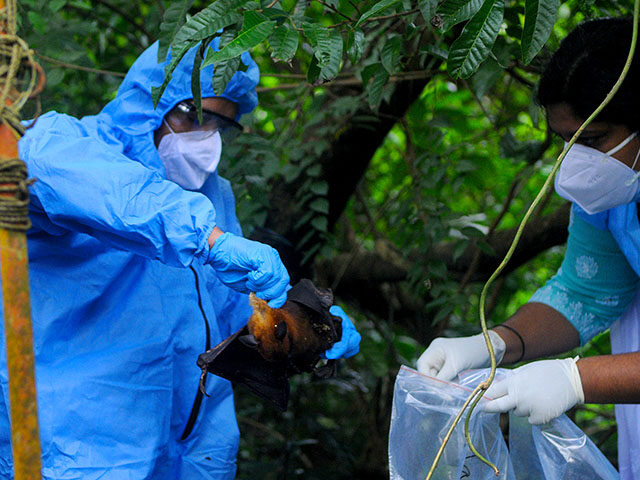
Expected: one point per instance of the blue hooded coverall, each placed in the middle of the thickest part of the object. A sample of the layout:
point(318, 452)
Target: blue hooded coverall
point(122, 302)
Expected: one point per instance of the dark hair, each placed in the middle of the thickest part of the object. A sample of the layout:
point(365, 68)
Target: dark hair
point(585, 67)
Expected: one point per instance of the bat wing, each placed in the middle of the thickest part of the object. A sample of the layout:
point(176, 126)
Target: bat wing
point(242, 364)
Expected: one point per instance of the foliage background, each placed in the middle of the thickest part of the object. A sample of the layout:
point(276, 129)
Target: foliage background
point(401, 200)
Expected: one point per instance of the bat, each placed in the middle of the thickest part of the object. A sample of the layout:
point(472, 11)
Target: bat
point(278, 343)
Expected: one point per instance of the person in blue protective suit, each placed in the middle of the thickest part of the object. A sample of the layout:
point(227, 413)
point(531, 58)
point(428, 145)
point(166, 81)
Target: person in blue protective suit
point(598, 285)
point(137, 265)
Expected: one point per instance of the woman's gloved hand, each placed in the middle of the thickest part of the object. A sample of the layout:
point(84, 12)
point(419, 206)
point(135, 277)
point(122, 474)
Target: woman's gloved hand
point(540, 390)
point(445, 358)
point(349, 344)
point(247, 266)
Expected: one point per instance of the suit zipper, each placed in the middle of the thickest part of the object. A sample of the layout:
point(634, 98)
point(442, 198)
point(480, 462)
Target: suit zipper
point(197, 402)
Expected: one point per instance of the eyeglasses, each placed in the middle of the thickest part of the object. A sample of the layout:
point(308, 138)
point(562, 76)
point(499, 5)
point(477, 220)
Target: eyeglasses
point(184, 117)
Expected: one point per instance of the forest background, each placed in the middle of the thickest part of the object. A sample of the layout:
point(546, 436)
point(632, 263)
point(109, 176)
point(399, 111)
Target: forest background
point(380, 163)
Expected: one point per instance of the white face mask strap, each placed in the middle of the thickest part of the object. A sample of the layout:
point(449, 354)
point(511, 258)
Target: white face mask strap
point(622, 145)
point(167, 124)
point(633, 167)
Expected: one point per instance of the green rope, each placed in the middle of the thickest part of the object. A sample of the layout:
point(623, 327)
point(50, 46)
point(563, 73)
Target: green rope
point(478, 392)
point(18, 76)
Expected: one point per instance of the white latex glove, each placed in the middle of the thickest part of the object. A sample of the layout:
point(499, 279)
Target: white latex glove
point(540, 390)
point(445, 358)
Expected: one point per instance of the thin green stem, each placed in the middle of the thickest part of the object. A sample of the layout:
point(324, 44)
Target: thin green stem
point(476, 391)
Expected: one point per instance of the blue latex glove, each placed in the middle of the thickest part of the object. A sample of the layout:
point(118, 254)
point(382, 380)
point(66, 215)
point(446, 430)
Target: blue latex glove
point(248, 266)
point(349, 344)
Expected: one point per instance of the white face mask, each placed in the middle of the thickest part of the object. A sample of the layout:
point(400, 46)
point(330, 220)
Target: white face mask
point(190, 157)
point(596, 181)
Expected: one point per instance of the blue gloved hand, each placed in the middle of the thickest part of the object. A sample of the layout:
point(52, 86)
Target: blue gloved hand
point(247, 266)
point(349, 344)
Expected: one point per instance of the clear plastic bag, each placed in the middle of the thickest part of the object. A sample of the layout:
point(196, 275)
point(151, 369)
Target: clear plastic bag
point(424, 408)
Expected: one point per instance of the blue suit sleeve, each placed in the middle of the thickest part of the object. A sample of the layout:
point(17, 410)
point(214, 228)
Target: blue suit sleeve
point(594, 285)
point(84, 185)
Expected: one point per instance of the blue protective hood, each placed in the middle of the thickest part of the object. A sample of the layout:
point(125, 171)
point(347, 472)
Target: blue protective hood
point(131, 118)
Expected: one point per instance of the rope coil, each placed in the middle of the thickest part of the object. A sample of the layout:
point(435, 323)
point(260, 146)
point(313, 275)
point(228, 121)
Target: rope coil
point(14, 195)
point(21, 78)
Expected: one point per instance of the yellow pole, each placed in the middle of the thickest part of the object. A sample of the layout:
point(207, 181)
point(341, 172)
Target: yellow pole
point(25, 438)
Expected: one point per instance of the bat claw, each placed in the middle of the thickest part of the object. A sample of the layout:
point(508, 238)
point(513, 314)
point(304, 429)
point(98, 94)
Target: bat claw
point(203, 380)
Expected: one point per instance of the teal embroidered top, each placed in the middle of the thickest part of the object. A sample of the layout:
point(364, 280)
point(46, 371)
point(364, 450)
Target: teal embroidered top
point(595, 283)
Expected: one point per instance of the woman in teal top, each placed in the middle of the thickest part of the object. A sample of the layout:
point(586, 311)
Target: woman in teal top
point(597, 285)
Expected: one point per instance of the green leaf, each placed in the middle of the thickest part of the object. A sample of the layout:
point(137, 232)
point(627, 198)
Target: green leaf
point(427, 9)
point(355, 45)
point(376, 9)
point(391, 54)
point(320, 40)
point(319, 188)
point(456, 11)
point(435, 51)
point(174, 17)
point(327, 48)
point(56, 5)
point(303, 220)
point(156, 92)
point(202, 25)
point(320, 223)
point(196, 91)
point(284, 43)
point(275, 14)
point(38, 22)
point(298, 11)
point(368, 72)
point(474, 44)
point(332, 67)
point(255, 29)
point(313, 72)
point(320, 205)
point(380, 79)
point(224, 70)
point(206, 23)
point(539, 17)
point(314, 171)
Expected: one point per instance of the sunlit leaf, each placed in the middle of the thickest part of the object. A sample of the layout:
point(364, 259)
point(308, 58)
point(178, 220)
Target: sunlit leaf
point(284, 43)
point(174, 17)
point(539, 17)
point(255, 29)
point(375, 10)
point(456, 11)
point(474, 44)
